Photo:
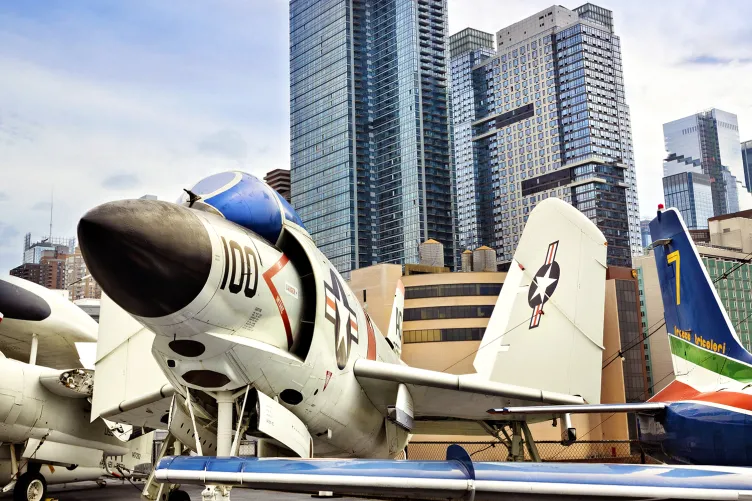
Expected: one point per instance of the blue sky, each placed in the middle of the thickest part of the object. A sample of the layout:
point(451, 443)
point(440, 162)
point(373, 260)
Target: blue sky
point(102, 99)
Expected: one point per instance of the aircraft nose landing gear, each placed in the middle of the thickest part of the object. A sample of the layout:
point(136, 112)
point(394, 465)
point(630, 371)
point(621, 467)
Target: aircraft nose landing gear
point(31, 486)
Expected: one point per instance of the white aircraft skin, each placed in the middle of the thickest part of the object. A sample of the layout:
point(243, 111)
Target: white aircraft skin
point(260, 355)
point(231, 310)
point(29, 309)
point(44, 412)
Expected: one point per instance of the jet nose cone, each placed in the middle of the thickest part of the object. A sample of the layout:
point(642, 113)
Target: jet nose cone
point(151, 257)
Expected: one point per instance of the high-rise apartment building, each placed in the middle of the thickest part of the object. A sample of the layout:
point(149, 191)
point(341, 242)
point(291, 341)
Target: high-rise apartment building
point(467, 49)
point(78, 281)
point(705, 144)
point(371, 171)
point(52, 269)
point(747, 163)
point(550, 119)
point(279, 180)
point(28, 271)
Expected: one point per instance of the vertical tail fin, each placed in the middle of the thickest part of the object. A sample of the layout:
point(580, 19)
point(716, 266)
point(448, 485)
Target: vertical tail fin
point(394, 334)
point(546, 330)
point(704, 345)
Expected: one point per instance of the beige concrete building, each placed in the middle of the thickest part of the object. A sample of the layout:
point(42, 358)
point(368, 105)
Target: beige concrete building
point(445, 317)
point(78, 281)
point(733, 231)
point(660, 370)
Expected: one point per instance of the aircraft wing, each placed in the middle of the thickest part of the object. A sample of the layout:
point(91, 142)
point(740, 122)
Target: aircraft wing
point(440, 398)
point(642, 408)
point(459, 478)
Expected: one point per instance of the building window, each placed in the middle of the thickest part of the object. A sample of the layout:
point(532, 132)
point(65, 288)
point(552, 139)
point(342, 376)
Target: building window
point(450, 290)
point(444, 312)
point(438, 335)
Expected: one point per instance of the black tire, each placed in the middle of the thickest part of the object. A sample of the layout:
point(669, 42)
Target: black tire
point(31, 486)
point(178, 495)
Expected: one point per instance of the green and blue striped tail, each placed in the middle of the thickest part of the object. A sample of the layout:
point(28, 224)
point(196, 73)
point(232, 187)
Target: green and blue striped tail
point(699, 328)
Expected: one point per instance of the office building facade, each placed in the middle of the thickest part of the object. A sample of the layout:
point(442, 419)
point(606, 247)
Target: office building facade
point(552, 120)
point(708, 143)
point(691, 193)
point(371, 172)
point(467, 49)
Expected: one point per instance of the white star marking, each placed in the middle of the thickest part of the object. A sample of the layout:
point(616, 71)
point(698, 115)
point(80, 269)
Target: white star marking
point(543, 283)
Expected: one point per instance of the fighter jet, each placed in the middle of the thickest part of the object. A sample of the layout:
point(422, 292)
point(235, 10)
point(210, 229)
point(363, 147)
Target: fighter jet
point(259, 334)
point(45, 430)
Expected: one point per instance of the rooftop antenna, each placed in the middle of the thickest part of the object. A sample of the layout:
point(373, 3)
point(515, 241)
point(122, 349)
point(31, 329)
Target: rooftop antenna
point(52, 200)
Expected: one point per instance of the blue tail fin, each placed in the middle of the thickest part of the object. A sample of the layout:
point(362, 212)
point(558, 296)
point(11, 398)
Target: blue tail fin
point(699, 329)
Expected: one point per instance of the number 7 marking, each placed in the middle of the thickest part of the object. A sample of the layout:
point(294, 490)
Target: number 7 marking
point(674, 258)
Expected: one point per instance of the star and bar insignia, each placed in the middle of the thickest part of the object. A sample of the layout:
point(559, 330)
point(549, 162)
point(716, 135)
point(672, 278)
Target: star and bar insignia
point(544, 284)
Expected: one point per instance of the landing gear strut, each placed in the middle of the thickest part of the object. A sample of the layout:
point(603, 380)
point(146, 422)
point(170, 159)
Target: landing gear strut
point(520, 439)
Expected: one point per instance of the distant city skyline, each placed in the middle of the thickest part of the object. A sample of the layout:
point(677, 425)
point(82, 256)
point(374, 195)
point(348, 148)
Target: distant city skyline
point(149, 107)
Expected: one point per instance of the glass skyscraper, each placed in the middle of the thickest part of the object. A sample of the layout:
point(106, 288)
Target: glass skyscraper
point(708, 143)
point(371, 170)
point(747, 163)
point(691, 193)
point(467, 49)
point(645, 233)
point(551, 120)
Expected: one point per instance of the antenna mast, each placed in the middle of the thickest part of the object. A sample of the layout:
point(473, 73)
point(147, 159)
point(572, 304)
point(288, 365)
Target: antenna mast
point(52, 200)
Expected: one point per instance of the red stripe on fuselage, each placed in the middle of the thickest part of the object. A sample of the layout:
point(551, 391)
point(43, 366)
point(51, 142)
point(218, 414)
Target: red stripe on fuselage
point(268, 275)
point(371, 339)
point(678, 391)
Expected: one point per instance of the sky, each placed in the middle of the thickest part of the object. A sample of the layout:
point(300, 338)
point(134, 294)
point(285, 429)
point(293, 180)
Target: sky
point(103, 99)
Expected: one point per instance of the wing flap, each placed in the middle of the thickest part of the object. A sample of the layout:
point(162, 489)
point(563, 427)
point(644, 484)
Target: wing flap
point(458, 478)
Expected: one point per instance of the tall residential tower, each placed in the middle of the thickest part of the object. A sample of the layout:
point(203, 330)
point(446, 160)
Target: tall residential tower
point(371, 172)
point(550, 119)
point(467, 49)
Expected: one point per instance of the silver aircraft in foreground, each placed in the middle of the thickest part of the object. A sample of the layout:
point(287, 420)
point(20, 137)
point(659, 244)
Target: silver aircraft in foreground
point(259, 334)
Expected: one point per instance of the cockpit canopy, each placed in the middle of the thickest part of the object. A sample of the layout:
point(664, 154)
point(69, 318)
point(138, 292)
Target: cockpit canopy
point(243, 199)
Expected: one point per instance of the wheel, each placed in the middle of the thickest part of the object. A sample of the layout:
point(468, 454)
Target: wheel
point(31, 486)
point(178, 495)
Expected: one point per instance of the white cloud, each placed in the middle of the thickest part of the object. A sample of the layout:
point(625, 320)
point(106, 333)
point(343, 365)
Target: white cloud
point(105, 103)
